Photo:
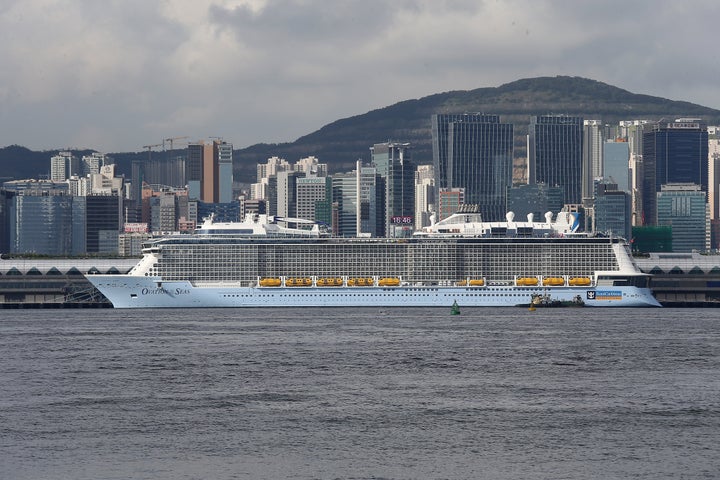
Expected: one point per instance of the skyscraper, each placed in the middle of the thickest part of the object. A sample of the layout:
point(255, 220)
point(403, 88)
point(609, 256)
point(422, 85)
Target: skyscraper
point(616, 164)
point(555, 146)
point(675, 152)
point(474, 152)
point(208, 170)
point(592, 165)
point(392, 162)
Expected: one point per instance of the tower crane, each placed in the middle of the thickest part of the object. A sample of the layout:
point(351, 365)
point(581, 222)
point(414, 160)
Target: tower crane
point(150, 147)
point(172, 139)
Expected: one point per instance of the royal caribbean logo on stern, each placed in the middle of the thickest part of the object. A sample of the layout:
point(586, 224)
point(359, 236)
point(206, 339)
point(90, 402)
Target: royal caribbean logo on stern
point(604, 295)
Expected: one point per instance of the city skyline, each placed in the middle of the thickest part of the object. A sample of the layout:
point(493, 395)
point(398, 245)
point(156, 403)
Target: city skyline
point(264, 72)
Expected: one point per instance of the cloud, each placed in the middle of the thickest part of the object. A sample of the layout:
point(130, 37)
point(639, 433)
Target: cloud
point(118, 74)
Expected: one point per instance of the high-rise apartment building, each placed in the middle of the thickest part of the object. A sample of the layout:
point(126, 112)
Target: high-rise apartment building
point(90, 164)
point(675, 152)
point(555, 146)
point(63, 166)
point(424, 195)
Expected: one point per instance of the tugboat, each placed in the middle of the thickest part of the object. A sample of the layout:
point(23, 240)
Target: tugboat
point(545, 301)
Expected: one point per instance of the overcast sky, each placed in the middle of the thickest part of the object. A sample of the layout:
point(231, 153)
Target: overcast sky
point(114, 75)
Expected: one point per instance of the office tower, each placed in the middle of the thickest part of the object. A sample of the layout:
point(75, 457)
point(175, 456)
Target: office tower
point(714, 172)
point(616, 161)
point(63, 166)
point(592, 162)
point(104, 222)
point(537, 199)
point(208, 171)
point(106, 183)
point(714, 184)
point(474, 152)
point(392, 162)
point(314, 195)
point(424, 195)
point(683, 207)
point(223, 172)
point(194, 169)
point(612, 210)
point(6, 199)
point(357, 195)
point(41, 223)
point(555, 146)
point(675, 152)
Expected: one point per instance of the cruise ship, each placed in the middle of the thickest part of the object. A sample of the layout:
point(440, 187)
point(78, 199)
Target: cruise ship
point(270, 262)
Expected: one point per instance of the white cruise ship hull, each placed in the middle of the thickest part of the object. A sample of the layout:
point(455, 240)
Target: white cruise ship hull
point(127, 291)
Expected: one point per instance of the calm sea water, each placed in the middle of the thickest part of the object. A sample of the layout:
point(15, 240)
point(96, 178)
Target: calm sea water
point(360, 394)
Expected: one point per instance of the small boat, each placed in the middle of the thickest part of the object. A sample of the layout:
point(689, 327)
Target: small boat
point(455, 309)
point(389, 282)
point(553, 281)
point(526, 281)
point(579, 282)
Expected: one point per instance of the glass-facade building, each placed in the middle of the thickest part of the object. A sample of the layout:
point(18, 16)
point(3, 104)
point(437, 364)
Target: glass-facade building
point(536, 199)
point(672, 153)
point(684, 208)
point(103, 223)
point(393, 163)
point(616, 163)
point(474, 152)
point(555, 153)
point(612, 210)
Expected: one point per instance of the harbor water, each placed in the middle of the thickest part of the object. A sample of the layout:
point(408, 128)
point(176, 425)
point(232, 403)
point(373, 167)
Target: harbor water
point(396, 393)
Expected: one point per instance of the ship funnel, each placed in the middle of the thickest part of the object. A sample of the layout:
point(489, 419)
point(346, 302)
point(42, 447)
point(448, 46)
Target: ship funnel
point(509, 216)
point(530, 217)
point(548, 217)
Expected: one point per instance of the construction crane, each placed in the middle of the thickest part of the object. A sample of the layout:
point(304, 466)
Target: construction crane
point(171, 140)
point(150, 147)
